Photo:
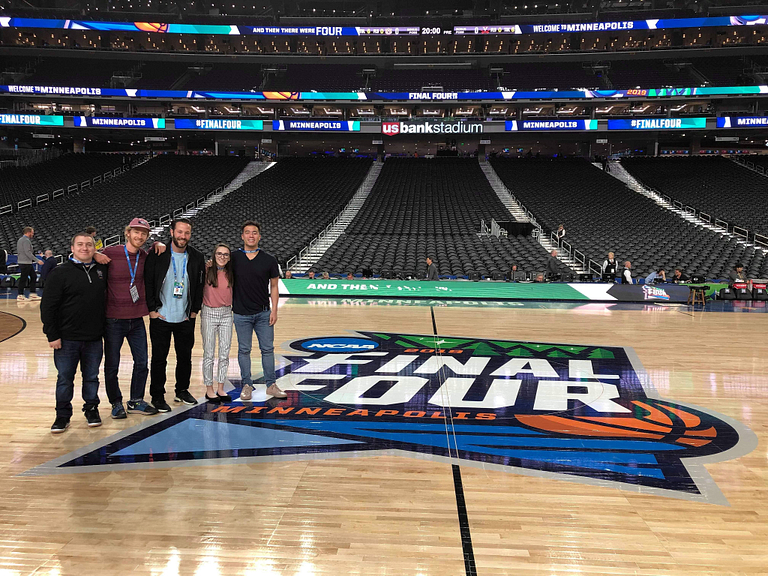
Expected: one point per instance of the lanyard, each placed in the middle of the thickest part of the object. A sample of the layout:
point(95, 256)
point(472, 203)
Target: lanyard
point(183, 267)
point(250, 251)
point(76, 261)
point(134, 269)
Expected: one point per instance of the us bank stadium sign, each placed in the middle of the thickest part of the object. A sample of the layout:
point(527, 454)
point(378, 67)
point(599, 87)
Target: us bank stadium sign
point(433, 127)
point(580, 412)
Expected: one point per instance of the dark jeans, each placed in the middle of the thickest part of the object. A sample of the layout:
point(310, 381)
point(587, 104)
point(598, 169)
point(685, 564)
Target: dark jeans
point(66, 359)
point(135, 332)
point(27, 274)
point(160, 333)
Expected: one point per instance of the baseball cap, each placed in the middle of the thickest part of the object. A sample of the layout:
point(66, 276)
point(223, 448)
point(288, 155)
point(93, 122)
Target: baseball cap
point(140, 223)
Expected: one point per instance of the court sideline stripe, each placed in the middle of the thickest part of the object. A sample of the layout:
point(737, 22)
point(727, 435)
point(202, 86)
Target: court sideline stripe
point(461, 506)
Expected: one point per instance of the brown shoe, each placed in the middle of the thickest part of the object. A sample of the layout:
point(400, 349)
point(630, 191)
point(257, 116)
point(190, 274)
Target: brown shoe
point(246, 392)
point(275, 392)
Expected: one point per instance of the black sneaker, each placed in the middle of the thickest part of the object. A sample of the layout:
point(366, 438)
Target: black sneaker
point(60, 424)
point(93, 418)
point(141, 407)
point(118, 411)
point(161, 405)
point(186, 397)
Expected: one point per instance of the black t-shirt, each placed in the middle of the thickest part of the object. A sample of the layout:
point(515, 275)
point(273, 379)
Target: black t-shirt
point(250, 294)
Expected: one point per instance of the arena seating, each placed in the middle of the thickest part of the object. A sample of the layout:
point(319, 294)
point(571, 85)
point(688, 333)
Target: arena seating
point(320, 77)
point(18, 184)
point(150, 191)
point(759, 160)
point(430, 207)
point(293, 201)
point(222, 77)
point(91, 72)
point(716, 185)
point(160, 75)
point(647, 74)
point(727, 71)
point(552, 75)
point(601, 214)
point(398, 80)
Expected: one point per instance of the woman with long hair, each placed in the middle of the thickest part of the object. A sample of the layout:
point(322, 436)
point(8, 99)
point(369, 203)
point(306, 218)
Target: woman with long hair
point(216, 320)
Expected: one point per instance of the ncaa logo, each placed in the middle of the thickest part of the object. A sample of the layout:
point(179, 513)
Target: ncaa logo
point(340, 345)
point(390, 128)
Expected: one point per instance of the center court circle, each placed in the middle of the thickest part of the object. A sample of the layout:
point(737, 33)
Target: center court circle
point(340, 345)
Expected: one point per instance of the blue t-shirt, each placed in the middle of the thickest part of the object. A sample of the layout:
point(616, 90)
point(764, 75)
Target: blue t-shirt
point(175, 309)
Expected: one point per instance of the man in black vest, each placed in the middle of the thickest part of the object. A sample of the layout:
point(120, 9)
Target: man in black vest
point(610, 267)
point(73, 318)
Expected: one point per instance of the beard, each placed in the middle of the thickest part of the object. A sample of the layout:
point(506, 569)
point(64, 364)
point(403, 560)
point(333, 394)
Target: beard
point(179, 242)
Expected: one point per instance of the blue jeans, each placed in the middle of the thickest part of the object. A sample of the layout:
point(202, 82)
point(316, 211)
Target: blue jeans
point(66, 359)
point(245, 326)
point(133, 330)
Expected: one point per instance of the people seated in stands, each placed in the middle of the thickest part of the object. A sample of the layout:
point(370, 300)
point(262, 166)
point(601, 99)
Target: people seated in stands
point(326, 276)
point(349, 276)
point(288, 274)
point(431, 270)
point(679, 277)
point(626, 275)
point(610, 267)
point(49, 263)
point(553, 266)
point(560, 234)
point(737, 275)
point(656, 276)
point(91, 230)
point(311, 275)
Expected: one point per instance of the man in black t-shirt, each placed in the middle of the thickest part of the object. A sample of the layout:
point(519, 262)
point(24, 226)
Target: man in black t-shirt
point(254, 271)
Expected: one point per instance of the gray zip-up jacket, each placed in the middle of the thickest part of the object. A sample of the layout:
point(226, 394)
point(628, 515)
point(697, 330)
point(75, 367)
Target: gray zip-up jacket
point(24, 251)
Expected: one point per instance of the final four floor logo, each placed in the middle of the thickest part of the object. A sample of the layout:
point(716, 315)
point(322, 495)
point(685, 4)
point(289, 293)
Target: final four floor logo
point(584, 413)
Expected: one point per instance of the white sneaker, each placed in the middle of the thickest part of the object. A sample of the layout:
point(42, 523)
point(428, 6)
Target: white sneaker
point(34, 296)
point(21, 298)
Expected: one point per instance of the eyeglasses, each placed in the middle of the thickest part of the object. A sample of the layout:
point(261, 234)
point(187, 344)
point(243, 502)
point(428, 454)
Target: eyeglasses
point(223, 254)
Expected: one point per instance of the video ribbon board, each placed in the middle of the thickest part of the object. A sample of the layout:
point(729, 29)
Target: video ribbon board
point(316, 125)
point(658, 124)
point(108, 122)
point(437, 97)
point(742, 122)
point(234, 124)
point(549, 125)
point(616, 26)
point(325, 30)
point(30, 120)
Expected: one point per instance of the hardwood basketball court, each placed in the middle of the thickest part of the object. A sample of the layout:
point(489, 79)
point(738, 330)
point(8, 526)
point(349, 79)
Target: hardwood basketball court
point(348, 509)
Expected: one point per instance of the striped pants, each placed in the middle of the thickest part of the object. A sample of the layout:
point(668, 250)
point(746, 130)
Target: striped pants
point(213, 322)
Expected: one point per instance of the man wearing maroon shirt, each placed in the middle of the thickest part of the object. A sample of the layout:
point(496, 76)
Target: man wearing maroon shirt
point(126, 307)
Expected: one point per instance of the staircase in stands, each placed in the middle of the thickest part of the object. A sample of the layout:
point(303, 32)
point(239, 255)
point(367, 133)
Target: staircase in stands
point(521, 214)
point(309, 256)
point(251, 170)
